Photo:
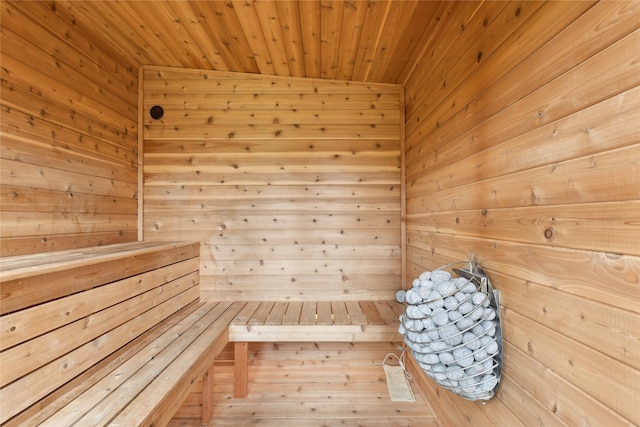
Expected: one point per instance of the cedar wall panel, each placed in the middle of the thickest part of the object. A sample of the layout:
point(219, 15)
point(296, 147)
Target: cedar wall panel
point(291, 185)
point(523, 153)
point(68, 136)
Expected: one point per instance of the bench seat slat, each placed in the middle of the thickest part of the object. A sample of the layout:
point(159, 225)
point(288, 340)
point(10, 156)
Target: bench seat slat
point(40, 412)
point(308, 314)
point(26, 357)
point(355, 313)
point(323, 313)
point(178, 349)
point(330, 321)
point(246, 313)
point(340, 314)
point(94, 395)
point(262, 312)
point(389, 317)
point(27, 390)
point(276, 314)
point(371, 313)
point(176, 381)
point(292, 315)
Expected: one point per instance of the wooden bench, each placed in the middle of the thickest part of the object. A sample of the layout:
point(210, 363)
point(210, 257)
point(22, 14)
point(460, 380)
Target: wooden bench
point(309, 321)
point(112, 335)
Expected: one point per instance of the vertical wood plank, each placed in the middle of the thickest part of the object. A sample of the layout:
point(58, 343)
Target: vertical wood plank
point(240, 369)
point(207, 395)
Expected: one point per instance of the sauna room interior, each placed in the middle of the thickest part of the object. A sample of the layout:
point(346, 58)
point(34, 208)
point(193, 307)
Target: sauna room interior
point(327, 154)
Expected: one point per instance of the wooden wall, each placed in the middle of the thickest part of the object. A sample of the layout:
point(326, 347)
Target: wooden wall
point(292, 186)
point(68, 135)
point(523, 153)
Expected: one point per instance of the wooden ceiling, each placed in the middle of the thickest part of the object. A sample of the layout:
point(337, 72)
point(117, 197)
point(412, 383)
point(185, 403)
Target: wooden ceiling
point(373, 41)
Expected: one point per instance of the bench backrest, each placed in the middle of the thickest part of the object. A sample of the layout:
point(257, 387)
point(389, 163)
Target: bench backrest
point(63, 313)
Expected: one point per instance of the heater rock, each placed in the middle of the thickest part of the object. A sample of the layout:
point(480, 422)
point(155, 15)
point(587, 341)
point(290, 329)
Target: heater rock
point(465, 308)
point(489, 314)
point(435, 300)
point(438, 346)
point(440, 275)
point(424, 309)
point(450, 335)
point(454, 372)
point(468, 288)
point(463, 356)
point(464, 323)
point(428, 324)
point(446, 357)
point(480, 355)
point(441, 318)
point(468, 384)
point(470, 340)
point(446, 288)
point(489, 327)
point(413, 312)
point(424, 292)
point(450, 303)
point(412, 297)
point(454, 316)
point(477, 313)
point(478, 298)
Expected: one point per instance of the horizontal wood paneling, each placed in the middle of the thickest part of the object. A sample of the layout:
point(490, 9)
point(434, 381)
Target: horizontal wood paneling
point(522, 153)
point(291, 185)
point(69, 136)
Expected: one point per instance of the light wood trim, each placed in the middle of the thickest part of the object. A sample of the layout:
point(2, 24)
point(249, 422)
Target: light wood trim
point(403, 192)
point(140, 164)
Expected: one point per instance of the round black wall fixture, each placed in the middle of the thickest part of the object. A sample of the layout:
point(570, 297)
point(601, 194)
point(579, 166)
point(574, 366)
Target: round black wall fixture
point(156, 112)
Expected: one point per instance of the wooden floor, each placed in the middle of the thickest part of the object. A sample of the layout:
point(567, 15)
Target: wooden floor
point(309, 384)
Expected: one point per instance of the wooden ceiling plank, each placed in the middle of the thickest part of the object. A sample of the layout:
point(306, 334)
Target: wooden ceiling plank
point(271, 23)
point(352, 22)
point(132, 28)
point(374, 20)
point(390, 37)
point(418, 26)
point(331, 12)
point(292, 36)
point(204, 48)
point(250, 23)
point(310, 30)
point(220, 22)
point(353, 40)
point(167, 31)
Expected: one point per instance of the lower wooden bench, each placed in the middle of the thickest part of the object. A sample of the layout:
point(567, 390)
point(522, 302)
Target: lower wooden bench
point(309, 321)
point(110, 336)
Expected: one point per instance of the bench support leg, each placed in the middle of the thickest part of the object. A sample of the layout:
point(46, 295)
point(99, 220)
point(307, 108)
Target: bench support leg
point(207, 396)
point(240, 369)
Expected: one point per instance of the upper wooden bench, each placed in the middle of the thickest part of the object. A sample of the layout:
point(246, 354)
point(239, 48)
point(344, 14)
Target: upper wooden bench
point(112, 335)
point(309, 321)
